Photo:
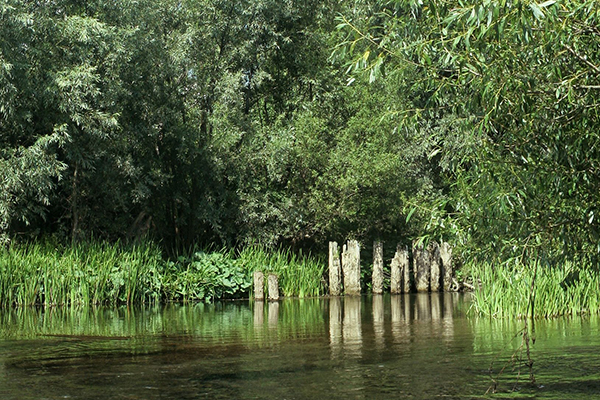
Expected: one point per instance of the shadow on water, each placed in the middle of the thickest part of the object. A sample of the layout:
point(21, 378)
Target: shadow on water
point(370, 347)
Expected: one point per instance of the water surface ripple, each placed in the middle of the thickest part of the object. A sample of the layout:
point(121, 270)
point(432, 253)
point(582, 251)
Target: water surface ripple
point(371, 347)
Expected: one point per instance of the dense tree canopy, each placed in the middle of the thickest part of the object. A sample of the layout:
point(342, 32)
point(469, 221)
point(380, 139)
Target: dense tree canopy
point(294, 122)
point(195, 121)
point(510, 90)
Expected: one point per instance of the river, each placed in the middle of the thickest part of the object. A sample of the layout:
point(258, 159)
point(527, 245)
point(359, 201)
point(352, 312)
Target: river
point(409, 346)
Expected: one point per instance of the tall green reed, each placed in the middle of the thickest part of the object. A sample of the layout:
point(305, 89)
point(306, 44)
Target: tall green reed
point(46, 274)
point(504, 290)
point(43, 273)
point(299, 274)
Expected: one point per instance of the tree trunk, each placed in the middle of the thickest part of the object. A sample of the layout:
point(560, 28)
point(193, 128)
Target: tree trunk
point(75, 206)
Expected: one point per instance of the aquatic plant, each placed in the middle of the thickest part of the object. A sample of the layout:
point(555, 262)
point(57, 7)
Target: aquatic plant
point(505, 290)
point(299, 274)
point(88, 273)
point(102, 273)
point(205, 276)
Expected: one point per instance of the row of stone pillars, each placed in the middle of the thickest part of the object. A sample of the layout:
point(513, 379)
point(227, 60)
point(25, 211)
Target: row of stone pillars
point(431, 268)
point(259, 286)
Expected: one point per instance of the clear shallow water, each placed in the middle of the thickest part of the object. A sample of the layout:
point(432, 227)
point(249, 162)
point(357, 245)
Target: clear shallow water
point(413, 346)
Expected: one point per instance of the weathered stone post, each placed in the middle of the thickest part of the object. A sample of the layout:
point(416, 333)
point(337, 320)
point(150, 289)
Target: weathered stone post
point(259, 285)
point(273, 283)
point(446, 256)
point(397, 271)
point(395, 274)
point(351, 267)
point(405, 264)
point(435, 266)
point(400, 275)
point(335, 270)
point(377, 267)
point(421, 267)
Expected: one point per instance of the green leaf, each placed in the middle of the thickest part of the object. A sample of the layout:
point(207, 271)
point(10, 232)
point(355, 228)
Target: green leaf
point(410, 213)
point(537, 12)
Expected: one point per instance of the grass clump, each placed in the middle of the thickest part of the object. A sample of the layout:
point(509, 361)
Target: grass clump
point(299, 275)
point(46, 274)
point(537, 289)
point(102, 273)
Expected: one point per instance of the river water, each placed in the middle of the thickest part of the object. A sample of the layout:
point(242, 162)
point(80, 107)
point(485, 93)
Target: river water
point(383, 347)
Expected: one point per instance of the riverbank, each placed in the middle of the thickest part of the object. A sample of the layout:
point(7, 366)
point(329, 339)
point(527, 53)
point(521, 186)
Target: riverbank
point(42, 273)
point(101, 273)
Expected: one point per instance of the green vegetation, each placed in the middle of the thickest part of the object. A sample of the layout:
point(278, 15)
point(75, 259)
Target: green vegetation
point(298, 275)
point(88, 274)
point(220, 124)
point(506, 290)
point(506, 95)
point(84, 274)
point(205, 276)
point(213, 324)
point(200, 123)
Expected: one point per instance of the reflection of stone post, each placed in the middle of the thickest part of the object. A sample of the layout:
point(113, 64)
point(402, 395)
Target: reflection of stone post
point(335, 326)
point(449, 305)
point(273, 283)
point(259, 285)
point(397, 310)
point(421, 267)
point(378, 324)
point(408, 308)
point(351, 267)
point(400, 279)
point(446, 256)
point(400, 316)
point(352, 327)
point(377, 267)
point(335, 273)
point(259, 313)
point(435, 266)
point(273, 314)
point(436, 306)
point(423, 307)
point(448, 321)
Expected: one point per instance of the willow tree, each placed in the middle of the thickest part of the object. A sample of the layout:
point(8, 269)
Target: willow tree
point(509, 92)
